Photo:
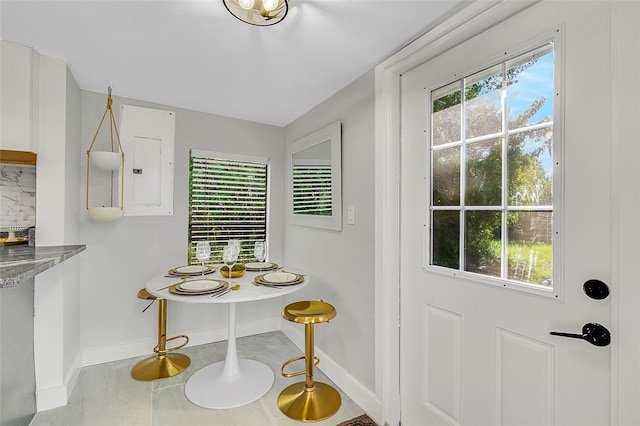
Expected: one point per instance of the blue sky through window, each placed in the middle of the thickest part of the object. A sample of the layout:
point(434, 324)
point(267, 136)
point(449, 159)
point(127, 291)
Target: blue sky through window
point(532, 83)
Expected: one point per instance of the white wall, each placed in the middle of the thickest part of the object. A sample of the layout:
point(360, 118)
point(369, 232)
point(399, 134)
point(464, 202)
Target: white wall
point(57, 319)
point(625, 111)
point(122, 255)
point(73, 195)
point(342, 262)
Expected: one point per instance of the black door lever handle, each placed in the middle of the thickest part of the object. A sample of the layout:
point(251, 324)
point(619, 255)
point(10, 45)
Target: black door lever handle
point(592, 332)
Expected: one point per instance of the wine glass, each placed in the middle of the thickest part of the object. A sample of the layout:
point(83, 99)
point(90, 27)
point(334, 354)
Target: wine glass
point(235, 244)
point(229, 257)
point(260, 251)
point(203, 252)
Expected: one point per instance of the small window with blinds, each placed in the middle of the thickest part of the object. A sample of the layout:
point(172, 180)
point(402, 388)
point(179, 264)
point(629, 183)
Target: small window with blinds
point(312, 188)
point(227, 201)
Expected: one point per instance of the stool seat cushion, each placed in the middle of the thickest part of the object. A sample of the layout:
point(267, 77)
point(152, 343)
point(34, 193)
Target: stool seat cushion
point(309, 312)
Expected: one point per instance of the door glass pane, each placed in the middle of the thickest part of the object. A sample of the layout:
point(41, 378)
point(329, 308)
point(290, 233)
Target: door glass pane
point(529, 249)
point(446, 238)
point(530, 88)
point(483, 102)
point(446, 114)
point(446, 177)
point(482, 242)
point(492, 166)
point(530, 168)
point(483, 176)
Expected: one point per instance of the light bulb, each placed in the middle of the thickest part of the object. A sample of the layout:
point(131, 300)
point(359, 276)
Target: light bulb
point(270, 5)
point(246, 4)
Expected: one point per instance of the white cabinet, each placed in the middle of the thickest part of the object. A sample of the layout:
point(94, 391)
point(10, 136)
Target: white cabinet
point(19, 100)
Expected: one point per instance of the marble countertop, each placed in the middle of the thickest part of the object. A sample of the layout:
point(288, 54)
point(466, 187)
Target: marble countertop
point(21, 262)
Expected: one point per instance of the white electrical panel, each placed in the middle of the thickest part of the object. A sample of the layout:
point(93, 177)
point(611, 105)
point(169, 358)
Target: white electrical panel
point(148, 138)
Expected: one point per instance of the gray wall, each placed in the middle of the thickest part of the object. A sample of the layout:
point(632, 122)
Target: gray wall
point(17, 374)
point(342, 262)
point(122, 255)
point(102, 318)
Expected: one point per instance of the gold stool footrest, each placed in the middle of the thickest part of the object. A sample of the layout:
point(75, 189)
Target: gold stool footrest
point(316, 360)
point(182, 336)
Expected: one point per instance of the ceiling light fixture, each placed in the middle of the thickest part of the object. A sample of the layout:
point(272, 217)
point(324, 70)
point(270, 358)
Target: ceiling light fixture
point(258, 12)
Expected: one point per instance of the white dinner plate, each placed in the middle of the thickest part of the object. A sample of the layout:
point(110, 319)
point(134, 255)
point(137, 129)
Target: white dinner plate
point(279, 277)
point(191, 269)
point(199, 286)
point(260, 266)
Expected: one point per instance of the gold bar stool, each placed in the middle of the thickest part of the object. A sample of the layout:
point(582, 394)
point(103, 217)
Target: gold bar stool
point(308, 401)
point(163, 364)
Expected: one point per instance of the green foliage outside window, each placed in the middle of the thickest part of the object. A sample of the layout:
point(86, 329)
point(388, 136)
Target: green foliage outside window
point(227, 201)
point(476, 191)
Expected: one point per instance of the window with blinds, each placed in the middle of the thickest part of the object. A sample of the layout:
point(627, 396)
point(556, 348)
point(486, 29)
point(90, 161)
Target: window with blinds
point(227, 201)
point(312, 189)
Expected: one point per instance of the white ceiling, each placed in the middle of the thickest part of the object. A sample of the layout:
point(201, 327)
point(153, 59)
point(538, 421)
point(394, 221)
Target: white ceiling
point(194, 54)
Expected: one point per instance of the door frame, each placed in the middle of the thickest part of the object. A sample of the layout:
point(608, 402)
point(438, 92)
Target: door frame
point(464, 24)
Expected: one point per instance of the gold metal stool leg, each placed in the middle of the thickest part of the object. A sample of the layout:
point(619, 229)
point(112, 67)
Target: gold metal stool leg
point(309, 401)
point(164, 364)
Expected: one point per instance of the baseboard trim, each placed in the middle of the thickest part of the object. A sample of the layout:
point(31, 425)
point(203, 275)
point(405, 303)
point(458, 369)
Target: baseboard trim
point(345, 381)
point(58, 396)
point(145, 347)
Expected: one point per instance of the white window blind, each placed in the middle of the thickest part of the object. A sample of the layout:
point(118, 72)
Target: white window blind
point(312, 189)
point(227, 201)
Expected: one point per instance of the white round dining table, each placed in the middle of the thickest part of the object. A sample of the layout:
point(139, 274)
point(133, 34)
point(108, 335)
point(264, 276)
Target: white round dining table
point(232, 382)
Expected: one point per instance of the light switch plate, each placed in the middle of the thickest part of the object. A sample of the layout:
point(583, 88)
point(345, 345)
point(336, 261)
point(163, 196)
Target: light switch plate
point(351, 215)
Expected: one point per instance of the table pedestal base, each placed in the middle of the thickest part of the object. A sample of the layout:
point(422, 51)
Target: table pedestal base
point(209, 387)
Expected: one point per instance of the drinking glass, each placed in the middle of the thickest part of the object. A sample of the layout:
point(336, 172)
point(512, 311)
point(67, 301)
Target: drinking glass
point(229, 257)
point(260, 251)
point(203, 252)
point(235, 244)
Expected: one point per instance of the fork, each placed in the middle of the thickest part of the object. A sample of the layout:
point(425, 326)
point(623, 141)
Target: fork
point(296, 273)
point(267, 286)
point(164, 288)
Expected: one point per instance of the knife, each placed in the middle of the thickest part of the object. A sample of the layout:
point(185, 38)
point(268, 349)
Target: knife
point(223, 292)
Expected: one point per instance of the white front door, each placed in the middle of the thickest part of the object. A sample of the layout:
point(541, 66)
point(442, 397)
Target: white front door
point(473, 353)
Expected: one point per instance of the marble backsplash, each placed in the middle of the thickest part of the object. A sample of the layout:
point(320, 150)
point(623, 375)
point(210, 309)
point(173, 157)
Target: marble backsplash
point(17, 195)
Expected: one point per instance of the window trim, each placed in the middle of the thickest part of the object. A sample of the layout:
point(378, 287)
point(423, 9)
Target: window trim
point(556, 36)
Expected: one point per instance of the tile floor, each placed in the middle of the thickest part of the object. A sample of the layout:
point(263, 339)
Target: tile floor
point(106, 395)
